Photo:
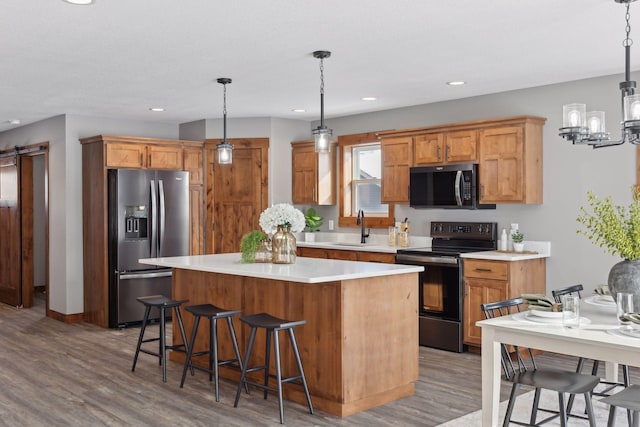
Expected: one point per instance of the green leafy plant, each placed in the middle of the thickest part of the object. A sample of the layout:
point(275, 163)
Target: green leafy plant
point(613, 227)
point(249, 244)
point(517, 236)
point(312, 220)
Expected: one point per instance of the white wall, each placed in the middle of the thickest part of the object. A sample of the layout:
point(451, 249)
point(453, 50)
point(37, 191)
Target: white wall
point(569, 171)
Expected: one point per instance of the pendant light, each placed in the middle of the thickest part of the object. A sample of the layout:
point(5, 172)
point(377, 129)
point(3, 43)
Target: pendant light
point(322, 134)
point(225, 150)
point(582, 127)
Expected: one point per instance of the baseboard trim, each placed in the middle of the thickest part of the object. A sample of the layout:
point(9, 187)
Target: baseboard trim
point(66, 318)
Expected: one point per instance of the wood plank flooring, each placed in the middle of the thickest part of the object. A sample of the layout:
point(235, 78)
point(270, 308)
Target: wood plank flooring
point(56, 374)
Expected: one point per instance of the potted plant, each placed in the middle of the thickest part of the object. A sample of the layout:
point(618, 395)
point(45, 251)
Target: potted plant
point(518, 241)
point(616, 229)
point(312, 224)
point(249, 245)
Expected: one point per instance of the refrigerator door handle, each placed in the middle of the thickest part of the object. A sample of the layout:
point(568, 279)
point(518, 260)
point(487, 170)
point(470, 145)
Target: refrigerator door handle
point(153, 241)
point(145, 275)
point(161, 218)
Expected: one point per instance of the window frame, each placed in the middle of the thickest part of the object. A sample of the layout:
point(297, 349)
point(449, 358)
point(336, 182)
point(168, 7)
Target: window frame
point(347, 218)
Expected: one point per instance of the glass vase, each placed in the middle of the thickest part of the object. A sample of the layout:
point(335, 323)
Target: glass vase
point(283, 244)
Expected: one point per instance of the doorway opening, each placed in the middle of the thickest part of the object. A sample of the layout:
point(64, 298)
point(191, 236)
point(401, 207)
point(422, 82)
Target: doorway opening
point(24, 278)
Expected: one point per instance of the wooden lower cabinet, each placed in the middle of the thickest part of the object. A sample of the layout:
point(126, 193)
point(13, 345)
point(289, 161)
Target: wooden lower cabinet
point(490, 281)
point(347, 255)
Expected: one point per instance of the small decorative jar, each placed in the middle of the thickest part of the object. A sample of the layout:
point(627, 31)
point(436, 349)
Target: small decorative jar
point(283, 244)
point(263, 252)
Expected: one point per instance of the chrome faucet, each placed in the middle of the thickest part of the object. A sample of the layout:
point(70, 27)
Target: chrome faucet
point(360, 222)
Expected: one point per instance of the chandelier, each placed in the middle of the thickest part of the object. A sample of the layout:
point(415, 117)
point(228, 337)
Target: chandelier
point(582, 127)
point(322, 134)
point(225, 150)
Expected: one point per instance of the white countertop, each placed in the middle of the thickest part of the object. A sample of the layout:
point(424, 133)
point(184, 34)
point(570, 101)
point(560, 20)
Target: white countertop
point(502, 256)
point(351, 242)
point(305, 270)
point(540, 249)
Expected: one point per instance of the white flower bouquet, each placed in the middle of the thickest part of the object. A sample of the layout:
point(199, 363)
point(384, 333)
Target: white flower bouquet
point(282, 214)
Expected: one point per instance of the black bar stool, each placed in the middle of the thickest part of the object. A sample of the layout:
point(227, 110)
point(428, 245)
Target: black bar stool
point(162, 303)
point(212, 313)
point(273, 325)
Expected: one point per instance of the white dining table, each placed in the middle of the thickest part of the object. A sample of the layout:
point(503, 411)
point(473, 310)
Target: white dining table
point(599, 340)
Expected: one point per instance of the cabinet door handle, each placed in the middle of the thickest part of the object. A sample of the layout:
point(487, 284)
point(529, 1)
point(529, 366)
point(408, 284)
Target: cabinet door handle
point(141, 159)
point(488, 270)
point(481, 191)
point(313, 194)
point(438, 153)
point(446, 153)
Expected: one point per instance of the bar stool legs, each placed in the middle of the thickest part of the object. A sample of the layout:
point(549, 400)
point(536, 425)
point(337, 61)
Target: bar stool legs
point(162, 303)
point(213, 313)
point(272, 325)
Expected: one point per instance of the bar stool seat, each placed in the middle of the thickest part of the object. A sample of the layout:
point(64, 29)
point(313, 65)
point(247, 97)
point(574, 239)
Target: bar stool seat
point(272, 325)
point(212, 313)
point(162, 303)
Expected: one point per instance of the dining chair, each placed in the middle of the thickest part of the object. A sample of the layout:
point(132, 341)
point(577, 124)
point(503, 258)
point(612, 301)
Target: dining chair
point(523, 372)
point(628, 398)
point(575, 290)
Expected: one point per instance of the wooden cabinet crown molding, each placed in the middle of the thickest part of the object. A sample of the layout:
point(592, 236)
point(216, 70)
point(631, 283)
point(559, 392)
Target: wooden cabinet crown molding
point(476, 124)
point(138, 140)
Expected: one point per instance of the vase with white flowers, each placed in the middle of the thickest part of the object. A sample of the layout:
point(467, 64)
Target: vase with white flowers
point(281, 221)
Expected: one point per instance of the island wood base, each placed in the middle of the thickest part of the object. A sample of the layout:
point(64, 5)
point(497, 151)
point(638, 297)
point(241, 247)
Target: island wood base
point(359, 347)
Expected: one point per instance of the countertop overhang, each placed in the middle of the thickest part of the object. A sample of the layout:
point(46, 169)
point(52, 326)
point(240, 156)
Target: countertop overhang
point(305, 270)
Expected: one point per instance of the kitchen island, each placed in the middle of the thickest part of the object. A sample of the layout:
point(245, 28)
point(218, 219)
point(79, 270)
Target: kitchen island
point(359, 347)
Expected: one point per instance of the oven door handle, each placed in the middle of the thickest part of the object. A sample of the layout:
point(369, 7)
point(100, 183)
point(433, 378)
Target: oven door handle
point(457, 187)
point(422, 259)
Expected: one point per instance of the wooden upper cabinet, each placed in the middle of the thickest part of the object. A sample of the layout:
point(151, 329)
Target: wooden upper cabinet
point(143, 156)
point(461, 146)
point(428, 149)
point(510, 169)
point(446, 147)
point(313, 175)
point(193, 163)
point(164, 157)
point(125, 155)
point(396, 160)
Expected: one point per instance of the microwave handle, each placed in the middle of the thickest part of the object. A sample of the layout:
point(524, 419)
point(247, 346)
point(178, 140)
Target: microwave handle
point(457, 187)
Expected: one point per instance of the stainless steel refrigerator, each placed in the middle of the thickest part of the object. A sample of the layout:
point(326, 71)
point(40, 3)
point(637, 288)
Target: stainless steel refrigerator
point(148, 218)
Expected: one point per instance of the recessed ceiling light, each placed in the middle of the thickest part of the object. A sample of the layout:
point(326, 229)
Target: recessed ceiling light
point(14, 122)
point(80, 2)
point(156, 109)
point(456, 83)
point(369, 98)
point(298, 110)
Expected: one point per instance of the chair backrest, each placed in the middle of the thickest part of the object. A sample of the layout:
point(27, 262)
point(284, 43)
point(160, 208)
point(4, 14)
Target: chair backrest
point(492, 310)
point(569, 290)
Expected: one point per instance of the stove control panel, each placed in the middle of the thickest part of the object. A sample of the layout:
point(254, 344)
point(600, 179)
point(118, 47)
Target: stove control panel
point(464, 230)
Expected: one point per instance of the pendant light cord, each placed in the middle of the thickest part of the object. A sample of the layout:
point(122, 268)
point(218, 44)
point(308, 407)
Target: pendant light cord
point(224, 113)
point(321, 92)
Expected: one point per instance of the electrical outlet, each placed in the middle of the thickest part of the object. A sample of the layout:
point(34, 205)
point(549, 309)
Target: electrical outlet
point(331, 225)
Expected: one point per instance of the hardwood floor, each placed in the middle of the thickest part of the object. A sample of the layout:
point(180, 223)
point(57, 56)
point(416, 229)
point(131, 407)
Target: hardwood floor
point(59, 374)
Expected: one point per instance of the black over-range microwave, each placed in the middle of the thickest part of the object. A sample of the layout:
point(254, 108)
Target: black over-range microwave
point(448, 187)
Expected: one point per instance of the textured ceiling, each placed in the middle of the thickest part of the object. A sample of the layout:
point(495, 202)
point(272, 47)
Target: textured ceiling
point(118, 58)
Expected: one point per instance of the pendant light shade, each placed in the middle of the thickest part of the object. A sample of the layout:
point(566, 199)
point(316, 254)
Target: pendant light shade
point(225, 150)
point(322, 134)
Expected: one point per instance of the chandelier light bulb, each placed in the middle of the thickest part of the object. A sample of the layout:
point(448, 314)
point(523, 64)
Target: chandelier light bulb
point(595, 121)
point(574, 115)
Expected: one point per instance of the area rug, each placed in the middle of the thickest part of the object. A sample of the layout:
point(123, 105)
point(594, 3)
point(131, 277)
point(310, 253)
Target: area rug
point(548, 400)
